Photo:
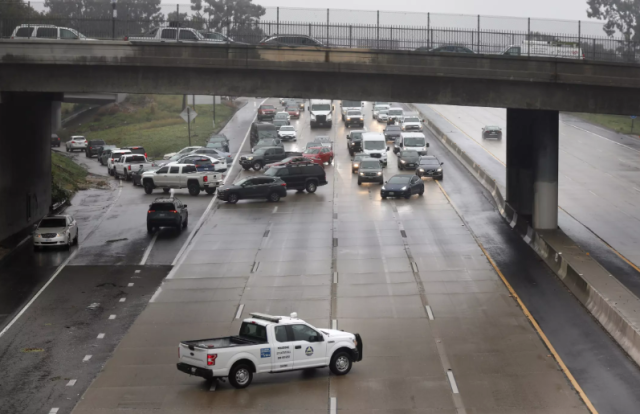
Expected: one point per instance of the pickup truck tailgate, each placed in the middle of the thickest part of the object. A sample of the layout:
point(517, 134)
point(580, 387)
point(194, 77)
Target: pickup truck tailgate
point(194, 356)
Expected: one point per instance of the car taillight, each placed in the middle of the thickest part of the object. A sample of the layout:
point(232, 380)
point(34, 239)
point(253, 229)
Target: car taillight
point(211, 359)
point(151, 211)
point(129, 168)
point(73, 142)
point(126, 38)
point(145, 155)
point(172, 211)
point(111, 159)
point(284, 184)
point(90, 147)
point(205, 179)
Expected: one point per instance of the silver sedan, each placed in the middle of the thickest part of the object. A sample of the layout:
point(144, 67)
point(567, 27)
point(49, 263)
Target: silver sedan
point(56, 231)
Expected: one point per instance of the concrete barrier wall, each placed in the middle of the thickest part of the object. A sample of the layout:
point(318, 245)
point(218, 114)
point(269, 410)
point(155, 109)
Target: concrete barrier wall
point(614, 306)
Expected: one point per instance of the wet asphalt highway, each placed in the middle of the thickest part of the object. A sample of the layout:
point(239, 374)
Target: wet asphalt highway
point(46, 345)
point(599, 184)
point(339, 256)
point(384, 281)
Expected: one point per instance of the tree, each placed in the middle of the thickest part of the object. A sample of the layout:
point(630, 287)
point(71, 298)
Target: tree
point(620, 15)
point(133, 15)
point(228, 13)
point(14, 13)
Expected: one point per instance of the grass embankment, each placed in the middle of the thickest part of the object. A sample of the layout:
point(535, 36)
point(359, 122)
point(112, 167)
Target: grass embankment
point(152, 121)
point(67, 178)
point(618, 123)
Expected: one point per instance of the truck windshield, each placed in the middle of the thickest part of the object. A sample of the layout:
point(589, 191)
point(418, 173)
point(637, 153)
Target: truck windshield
point(267, 134)
point(414, 142)
point(321, 108)
point(351, 104)
point(395, 112)
point(411, 119)
point(374, 145)
point(253, 332)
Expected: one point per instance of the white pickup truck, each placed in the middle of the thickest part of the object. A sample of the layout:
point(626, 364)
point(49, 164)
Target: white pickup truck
point(128, 164)
point(178, 176)
point(172, 34)
point(270, 344)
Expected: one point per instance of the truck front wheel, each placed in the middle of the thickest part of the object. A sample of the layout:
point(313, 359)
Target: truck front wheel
point(148, 187)
point(341, 363)
point(210, 191)
point(240, 376)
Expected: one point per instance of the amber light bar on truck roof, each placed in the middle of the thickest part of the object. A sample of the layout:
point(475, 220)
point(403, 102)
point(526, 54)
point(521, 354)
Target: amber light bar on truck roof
point(265, 317)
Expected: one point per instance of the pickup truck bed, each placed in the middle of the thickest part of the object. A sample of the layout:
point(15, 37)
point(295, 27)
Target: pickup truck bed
point(217, 343)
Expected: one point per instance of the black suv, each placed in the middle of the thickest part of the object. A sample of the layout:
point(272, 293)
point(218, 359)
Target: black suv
point(271, 188)
point(167, 212)
point(354, 141)
point(93, 147)
point(300, 176)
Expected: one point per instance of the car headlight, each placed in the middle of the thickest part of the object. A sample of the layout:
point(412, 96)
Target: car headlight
point(361, 119)
point(348, 119)
point(404, 188)
point(421, 170)
point(39, 236)
point(60, 235)
point(361, 173)
point(439, 169)
point(356, 165)
point(384, 189)
point(352, 144)
point(403, 161)
point(379, 172)
point(249, 158)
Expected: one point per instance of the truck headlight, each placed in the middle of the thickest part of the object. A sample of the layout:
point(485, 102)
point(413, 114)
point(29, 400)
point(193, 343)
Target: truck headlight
point(328, 117)
point(379, 172)
point(403, 161)
point(362, 174)
point(421, 170)
point(249, 158)
point(439, 169)
point(356, 165)
point(348, 119)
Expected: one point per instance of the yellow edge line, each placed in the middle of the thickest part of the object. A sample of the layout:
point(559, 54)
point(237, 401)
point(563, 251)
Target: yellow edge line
point(627, 261)
point(526, 312)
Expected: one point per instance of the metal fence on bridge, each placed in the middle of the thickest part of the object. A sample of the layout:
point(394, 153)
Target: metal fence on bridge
point(338, 28)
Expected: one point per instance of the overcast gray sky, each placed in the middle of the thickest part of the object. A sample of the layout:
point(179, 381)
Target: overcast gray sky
point(550, 9)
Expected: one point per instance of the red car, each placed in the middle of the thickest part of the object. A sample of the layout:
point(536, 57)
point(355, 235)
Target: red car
point(294, 112)
point(319, 155)
point(266, 112)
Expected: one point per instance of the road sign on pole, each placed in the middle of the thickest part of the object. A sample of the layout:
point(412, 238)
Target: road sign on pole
point(188, 115)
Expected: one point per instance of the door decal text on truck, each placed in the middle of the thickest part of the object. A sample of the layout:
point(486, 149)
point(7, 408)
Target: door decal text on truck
point(308, 351)
point(265, 352)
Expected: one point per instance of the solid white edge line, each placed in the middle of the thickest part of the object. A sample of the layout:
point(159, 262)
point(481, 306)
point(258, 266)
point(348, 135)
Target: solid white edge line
point(335, 277)
point(86, 358)
point(147, 252)
point(123, 299)
point(180, 256)
point(112, 317)
point(100, 336)
point(71, 383)
point(239, 312)
point(333, 407)
point(130, 285)
point(452, 382)
point(33, 299)
point(602, 137)
point(430, 312)
point(334, 324)
point(54, 410)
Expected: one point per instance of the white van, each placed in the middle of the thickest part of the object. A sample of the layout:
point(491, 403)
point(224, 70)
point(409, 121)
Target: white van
point(396, 115)
point(551, 48)
point(45, 31)
point(411, 141)
point(374, 145)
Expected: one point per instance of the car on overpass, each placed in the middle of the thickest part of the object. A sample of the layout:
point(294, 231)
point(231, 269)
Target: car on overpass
point(447, 49)
point(54, 231)
point(46, 32)
point(291, 41)
point(76, 143)
point(548, 48)
point(492, 131)
point(267, 344)
point(216, 37)
point(269, 188)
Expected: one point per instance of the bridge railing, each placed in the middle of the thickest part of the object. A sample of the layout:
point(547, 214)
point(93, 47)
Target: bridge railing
point(355, 29)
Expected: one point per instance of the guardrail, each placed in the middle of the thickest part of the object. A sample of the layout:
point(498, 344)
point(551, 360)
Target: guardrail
point(348, 29)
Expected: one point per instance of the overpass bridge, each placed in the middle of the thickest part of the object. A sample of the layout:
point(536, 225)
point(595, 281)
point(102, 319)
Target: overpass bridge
point(533, 89)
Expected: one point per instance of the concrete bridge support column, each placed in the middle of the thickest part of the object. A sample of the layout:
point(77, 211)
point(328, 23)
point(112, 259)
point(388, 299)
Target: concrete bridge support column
point(56, 116)
point(25, 159)
point(532, 165)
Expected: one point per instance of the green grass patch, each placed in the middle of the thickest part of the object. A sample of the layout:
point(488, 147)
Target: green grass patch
point(152, 121)
point(618, 123)
point(67, 177)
